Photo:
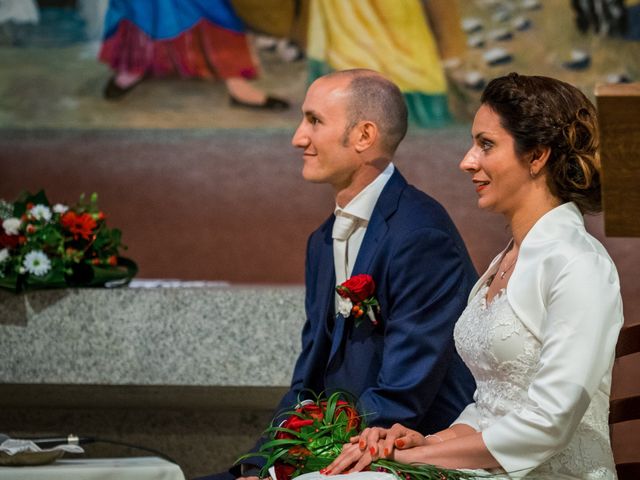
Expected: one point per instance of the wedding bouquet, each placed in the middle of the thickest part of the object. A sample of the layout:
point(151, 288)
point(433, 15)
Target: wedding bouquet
point(44, 246)
point(313, 435)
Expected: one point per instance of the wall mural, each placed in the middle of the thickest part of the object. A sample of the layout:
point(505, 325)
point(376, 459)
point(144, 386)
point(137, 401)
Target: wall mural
point(57, 72)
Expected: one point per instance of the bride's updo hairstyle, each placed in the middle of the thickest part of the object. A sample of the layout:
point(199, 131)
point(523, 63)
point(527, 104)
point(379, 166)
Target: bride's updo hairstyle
point(541, 111)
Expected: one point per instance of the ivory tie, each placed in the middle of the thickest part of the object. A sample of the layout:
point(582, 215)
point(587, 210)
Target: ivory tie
point(343, 226)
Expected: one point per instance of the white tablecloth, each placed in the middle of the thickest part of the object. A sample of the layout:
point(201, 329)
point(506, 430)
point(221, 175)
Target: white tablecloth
point(138, 468)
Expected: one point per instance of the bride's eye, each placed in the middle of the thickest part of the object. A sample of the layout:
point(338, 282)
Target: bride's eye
point(485, 145)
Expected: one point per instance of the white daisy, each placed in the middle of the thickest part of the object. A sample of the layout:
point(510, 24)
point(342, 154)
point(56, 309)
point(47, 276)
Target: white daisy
point(41, 212)
point(60, 208)
point(4, 255)
point(37, 263)
point(11, 226)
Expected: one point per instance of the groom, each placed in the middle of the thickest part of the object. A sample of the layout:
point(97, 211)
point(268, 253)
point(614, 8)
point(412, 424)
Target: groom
point(404, 368)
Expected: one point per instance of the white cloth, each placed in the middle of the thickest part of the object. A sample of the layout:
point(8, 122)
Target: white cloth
point(138, 468)
point(348, 476)
point(542, 353)
point(12, 446)
point(361, 208)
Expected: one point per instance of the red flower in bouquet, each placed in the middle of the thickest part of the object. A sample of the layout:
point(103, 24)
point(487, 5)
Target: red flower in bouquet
point(310, 437)
point(81, 225)
point(313, 436)
point(357, 298)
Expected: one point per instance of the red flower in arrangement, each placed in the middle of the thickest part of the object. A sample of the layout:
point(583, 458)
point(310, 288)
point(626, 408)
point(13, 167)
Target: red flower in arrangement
point(357, 298)
point(81, 225)
point(8, 241)
point(58, 246)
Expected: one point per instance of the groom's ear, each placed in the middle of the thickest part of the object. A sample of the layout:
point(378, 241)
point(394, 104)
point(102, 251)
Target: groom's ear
point(365, 135)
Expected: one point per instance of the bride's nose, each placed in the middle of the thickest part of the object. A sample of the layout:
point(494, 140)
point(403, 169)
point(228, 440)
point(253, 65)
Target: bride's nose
point(469, 162)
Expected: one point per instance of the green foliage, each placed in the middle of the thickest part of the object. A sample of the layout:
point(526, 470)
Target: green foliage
point(313, 436)
point(54, 247)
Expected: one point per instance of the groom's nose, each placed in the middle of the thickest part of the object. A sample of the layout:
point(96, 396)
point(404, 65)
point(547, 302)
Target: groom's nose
point(300, 138)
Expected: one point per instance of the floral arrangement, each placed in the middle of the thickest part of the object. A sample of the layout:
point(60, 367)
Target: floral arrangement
point(44, 246)
point(313, 435)
point(357, 299)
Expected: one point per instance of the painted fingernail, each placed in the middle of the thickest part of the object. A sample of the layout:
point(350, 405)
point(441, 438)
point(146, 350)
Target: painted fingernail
point(323, 471)
point(386, 452)
point(399, 443)
point(372, 450)
point(362, 444)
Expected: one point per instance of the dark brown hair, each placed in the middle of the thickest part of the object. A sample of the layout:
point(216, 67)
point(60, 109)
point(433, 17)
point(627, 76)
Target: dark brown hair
point(545, 112)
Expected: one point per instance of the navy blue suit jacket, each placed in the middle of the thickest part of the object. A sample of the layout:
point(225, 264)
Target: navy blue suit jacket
point(406, 368)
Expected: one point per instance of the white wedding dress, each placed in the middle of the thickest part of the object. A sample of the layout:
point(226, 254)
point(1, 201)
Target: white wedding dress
point(503, 356)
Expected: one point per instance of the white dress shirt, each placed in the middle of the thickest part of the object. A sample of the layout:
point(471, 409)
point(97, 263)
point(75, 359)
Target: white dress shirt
point(361, 207)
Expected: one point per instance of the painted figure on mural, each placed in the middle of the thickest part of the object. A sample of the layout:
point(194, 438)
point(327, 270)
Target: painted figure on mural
point(191, 38)
point(393, 38)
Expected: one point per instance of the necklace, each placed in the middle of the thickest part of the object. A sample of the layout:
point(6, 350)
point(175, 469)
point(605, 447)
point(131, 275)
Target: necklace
point(506, 269)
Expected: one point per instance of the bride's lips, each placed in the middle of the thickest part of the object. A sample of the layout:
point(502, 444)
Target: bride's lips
point(480, 185)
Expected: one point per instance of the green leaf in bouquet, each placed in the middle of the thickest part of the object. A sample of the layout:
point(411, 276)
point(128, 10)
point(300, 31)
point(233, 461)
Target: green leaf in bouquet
point(289, 442)
point(9, 282)
point(114, 276)
point(314, 464)
point(82, 274)
point(274, 430)
point(50, 237)
point(54, 279)
point(332, 401)
point(424, 471)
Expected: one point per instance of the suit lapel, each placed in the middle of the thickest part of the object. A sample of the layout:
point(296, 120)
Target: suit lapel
point(376, 230)
point(386, 205)
point(327, 276)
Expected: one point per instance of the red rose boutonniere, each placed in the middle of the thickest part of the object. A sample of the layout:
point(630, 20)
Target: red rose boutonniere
point(357, 299)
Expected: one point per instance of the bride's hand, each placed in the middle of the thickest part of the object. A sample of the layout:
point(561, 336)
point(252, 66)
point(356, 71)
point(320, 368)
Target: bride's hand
point(396, 437)
point(352, 459)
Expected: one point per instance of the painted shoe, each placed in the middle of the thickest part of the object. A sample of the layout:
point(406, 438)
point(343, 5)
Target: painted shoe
point(270, 103)
point(113, 91)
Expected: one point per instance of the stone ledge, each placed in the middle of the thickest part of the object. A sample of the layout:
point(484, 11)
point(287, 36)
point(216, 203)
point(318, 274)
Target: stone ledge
point(240, 336)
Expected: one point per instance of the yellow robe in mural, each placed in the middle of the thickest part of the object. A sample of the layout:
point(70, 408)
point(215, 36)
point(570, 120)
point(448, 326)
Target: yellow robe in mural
point(389, 36)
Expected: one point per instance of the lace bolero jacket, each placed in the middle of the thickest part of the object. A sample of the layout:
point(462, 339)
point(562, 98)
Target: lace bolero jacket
point(565, 290)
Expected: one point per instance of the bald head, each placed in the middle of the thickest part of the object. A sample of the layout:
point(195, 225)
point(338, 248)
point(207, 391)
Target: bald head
point(372, 97)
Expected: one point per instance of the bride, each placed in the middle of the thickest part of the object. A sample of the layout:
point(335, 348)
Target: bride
point(540, 329)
